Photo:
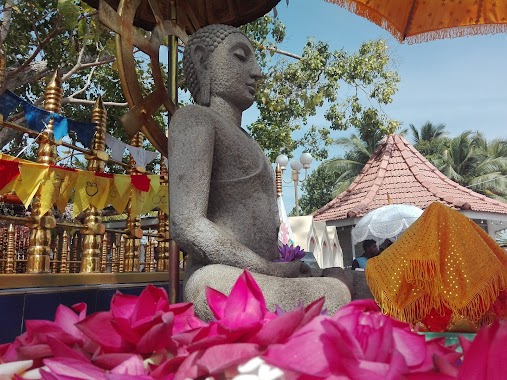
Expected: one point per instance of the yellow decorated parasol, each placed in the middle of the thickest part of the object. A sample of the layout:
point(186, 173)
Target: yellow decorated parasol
point(425, 20)
point(444, 266)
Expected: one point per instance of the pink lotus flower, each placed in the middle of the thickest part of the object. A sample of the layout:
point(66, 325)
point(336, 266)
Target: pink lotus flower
point(42, 336)
point(142, 324)
point(145, 337)
point(357, 342)
point(485, 358)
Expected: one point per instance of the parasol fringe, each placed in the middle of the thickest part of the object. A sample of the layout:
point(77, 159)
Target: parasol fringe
point(460, 31)
point(483, 299)
point(380, 20)
point(369, 14)
point(474, 310)
point(412, 313)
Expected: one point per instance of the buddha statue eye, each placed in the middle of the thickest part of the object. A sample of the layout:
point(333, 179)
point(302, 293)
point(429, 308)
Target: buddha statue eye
point(240, 54)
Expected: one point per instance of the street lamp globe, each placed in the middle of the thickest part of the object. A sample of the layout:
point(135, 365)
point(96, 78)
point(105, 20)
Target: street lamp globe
point(296, 165)
point(306, 159)
point(282, 160)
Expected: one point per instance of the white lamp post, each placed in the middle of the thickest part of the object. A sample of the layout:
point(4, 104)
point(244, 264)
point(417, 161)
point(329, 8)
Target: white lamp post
point(304, 163)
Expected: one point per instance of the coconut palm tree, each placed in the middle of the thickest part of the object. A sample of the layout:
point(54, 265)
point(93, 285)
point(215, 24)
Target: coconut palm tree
point(489, 176)
point(472, 161)
point(458, 159)
point(429, 139)
point(428, 132)
point(348, 167)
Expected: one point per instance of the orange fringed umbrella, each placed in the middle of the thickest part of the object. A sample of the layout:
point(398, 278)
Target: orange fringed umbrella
point(425, 20)
point(443, 265)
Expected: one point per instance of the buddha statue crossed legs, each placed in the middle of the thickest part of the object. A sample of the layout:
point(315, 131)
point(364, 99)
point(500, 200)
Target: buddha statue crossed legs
point(222, 194)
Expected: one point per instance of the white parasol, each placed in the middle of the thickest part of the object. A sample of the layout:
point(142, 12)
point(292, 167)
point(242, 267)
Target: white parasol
point(386, 222)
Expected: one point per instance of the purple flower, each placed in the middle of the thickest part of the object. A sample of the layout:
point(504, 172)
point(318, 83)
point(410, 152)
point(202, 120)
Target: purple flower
point(290, 253)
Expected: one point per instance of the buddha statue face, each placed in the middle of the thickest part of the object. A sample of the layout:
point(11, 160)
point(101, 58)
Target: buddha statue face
point(222, 65)
point(234, 71)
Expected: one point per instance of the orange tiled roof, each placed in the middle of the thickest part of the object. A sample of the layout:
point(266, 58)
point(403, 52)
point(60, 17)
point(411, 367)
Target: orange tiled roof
point(398, 169)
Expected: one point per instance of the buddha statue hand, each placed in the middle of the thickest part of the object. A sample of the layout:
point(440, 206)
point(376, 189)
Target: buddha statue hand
point(286, 269)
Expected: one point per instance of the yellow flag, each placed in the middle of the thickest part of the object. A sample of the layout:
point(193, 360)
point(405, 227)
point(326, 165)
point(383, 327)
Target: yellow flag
point(154, 182)
point(91, 190)
point(115, 199)
point(98, 189)
point(67, 185)
point(48, 192)
point(148, 204)
point(31, 176)
point(158, 199)
point(137, 200)
point(57, 188)
point(122, 183)
point(81, 198)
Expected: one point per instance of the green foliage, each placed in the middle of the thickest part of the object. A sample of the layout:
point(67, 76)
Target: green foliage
point(430, 139)
point(317, 189)
point(294, 90)
point(62, 31)
point(474, 162)
point(290, 94)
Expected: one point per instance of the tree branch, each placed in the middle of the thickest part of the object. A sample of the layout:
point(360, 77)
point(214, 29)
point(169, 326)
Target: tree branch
point(57, 30)
point(70, 100)
point(6, 21)
point(277, 51)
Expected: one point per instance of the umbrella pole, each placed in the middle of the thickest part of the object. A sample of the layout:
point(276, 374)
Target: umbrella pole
point(174, 259)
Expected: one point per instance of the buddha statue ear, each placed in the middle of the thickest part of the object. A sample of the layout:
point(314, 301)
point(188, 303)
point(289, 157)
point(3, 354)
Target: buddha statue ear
point(200, 57)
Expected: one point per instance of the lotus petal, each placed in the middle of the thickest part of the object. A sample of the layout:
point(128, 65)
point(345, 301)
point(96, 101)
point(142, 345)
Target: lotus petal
point(132, 366)
point(218, 358)
point(72, 368)
point(158, 337)
point(98, 328)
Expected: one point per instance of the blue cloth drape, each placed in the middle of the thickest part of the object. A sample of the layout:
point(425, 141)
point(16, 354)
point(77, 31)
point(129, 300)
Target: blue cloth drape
point(37, 119)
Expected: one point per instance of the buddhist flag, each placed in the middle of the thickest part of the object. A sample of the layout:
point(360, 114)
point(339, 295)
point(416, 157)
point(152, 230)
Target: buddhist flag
point(57, 188)
point(148, 204)
point(137, 201)
point(68, 178)
point(163, 192)
point(91, 190)
point(117, 200)
point(9, 170)
point(104, 182)
point(122, 184)
point(31, 177)
point(156, 199)
point(154, 182)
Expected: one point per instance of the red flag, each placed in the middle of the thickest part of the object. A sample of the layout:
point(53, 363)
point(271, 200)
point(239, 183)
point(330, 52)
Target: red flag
point(8, 171)
point(141, 182)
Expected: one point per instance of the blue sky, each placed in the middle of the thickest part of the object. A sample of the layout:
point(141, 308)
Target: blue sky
point(459, 82)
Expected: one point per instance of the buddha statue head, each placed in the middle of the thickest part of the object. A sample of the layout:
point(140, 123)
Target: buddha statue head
point(219, 60)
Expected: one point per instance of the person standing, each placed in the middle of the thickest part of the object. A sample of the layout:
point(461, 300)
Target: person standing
point(370, 250)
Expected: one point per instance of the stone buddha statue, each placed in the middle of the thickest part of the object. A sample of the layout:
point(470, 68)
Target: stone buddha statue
point(222, 192)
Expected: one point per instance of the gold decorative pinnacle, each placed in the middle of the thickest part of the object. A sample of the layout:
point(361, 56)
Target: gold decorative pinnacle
point(99, 117)
point(121, 258)
point(278, 180)
point(64, 266)
point(103, 256)
point(9, 265)
point(92, 240)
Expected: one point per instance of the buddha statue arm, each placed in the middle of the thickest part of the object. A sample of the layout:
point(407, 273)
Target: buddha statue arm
point(191, 149)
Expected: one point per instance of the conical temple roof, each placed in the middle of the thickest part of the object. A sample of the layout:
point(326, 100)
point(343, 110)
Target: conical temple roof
point(398, 171)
